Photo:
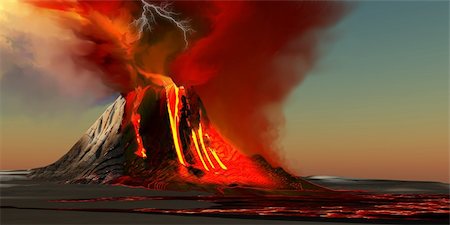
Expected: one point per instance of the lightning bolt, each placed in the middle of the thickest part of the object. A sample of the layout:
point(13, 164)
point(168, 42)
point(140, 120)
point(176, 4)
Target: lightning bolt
point(147, 19)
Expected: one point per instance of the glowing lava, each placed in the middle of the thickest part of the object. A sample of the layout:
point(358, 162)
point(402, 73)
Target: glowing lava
point(194, 138)
point(202, 142)
point(136, 120)
point(172, 96)
point(218, 160)
point(213, 152)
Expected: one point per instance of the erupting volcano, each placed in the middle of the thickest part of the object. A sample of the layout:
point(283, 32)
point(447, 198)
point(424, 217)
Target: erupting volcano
point(233, 61)
point(199, 90)
point(175, 142)
point(159, 136)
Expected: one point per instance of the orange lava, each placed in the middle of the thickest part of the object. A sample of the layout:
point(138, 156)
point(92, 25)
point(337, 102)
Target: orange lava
point(136, 99)
point(231, 166)
point(173, 110)
point(221, 162)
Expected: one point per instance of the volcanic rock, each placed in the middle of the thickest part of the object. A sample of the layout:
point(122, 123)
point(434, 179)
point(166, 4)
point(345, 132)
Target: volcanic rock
point(111, 151)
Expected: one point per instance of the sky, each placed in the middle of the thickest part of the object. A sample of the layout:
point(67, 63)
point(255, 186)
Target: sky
point(376, 105)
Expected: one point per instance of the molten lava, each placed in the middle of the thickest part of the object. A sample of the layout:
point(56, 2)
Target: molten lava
point(194, 138)
point(203, 156)
point(202, 142)
point(136, 98)
point(172, 96)
point(217, 159)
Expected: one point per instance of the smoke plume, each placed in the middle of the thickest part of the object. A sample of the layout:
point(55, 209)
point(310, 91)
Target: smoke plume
point(253, 55)
point(33, 44)
point(243, 58)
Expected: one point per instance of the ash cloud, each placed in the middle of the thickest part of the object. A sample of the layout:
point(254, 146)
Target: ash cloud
point(39, 72)
point(244, 58)
point(250, 58)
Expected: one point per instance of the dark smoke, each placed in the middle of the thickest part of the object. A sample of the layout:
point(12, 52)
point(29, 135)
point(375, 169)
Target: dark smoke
point(253, 55)
point(244, 58)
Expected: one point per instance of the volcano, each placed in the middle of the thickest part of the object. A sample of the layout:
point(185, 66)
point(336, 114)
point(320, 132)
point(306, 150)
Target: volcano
point(159, 136)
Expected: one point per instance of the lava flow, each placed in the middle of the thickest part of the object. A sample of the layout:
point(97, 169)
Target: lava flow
point(136, 98)
point(201, 142)
point(204, 156)
point(173, 109)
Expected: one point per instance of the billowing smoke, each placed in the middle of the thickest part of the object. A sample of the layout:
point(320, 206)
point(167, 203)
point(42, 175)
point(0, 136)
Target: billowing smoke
point(38, 50)
point(253, 55)
point(243, 59)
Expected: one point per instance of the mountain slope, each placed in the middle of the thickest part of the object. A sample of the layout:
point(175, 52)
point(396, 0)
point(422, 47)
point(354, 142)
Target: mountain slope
point(160, 137)
point(97, 156)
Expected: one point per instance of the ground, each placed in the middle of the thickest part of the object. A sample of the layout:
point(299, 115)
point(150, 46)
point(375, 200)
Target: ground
point(29, 202)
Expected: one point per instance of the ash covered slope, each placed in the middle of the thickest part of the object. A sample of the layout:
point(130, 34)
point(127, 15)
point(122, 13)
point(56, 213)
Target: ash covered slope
point(97, 156)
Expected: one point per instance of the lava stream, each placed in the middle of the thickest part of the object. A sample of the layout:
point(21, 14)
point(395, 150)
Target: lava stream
point(136, 121)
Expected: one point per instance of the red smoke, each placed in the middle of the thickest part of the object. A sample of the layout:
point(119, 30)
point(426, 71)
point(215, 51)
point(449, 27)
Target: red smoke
point(251, 59)
point(105, 44)
point(244, 58)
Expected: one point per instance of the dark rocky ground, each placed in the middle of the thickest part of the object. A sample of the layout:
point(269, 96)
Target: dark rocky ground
point(29, 202)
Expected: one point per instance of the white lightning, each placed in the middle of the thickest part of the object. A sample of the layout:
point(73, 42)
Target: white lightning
point(147, 18)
